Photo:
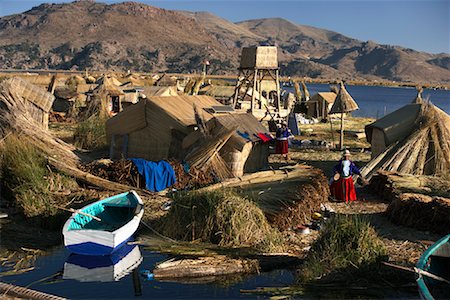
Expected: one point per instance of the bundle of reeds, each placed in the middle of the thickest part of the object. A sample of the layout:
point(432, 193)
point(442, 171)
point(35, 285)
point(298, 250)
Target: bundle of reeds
point(288, 197)
point(220, 217)
point(422, 212)
point(425, 152)
point(391, 184)
point(206, 154)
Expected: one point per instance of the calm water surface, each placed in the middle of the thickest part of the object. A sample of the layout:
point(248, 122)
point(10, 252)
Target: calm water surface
point(46, 266)
point(376, 101)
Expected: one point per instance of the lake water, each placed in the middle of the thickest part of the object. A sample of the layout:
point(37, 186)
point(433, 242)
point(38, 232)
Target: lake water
point(55, 262)
point(376, 101)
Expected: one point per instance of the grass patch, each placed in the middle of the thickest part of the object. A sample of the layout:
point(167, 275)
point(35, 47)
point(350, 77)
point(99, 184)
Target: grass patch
point(91, 133)
point(223, 218)
point(29, 184)
point(347, 245)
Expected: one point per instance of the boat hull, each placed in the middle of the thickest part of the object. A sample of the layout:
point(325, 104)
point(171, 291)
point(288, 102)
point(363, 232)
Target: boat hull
point(98, 241)
point(435, 260)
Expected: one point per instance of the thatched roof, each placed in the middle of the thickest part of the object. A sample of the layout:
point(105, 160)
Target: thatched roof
point(166, 80)
point(426, 151)
point(32, 93)
point(344, 103)
point(150, 91)
point(110, 79)
point(64, 92)
point(182, 107)
point(396, 125)
point(107, 87)
point(245, 123)
point(418, 99)
point(329, 97)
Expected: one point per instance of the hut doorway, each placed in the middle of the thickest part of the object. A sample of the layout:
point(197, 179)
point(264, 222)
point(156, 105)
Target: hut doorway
point(115, 107)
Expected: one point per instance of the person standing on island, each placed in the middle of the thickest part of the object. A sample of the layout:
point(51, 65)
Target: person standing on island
point(343, 188)
point(282, 144)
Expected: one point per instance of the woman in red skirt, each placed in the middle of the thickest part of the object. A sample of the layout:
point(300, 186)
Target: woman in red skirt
point(282, 144)
point(343, 189)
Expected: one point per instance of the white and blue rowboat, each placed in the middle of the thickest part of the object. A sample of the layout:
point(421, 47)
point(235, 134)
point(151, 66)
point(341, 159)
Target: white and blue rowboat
point(104, 226)
point(91, 268)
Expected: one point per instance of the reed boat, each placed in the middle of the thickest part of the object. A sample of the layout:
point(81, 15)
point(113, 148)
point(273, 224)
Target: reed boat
point(104, 226)
point(108, 268)
point(433, 269)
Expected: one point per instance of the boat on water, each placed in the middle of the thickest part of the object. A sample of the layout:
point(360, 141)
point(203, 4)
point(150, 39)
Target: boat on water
point(104, 226)
point(108, 268)
point(435, 261)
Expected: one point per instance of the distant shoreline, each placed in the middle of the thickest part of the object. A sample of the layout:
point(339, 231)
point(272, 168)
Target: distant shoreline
point(386, 83)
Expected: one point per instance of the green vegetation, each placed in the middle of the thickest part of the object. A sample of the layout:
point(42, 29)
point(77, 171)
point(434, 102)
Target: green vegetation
point(27, 179)
point(220, 217)
point(91, 133)
point(348, 245)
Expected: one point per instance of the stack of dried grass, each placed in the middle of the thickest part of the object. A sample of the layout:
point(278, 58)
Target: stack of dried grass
point(391, 184)
point(206, 154)
point(422, 202)
point(288, 197)
point(421, 212)
point(425, 152)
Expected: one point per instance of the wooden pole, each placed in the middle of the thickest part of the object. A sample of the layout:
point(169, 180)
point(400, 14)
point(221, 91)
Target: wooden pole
point(278, 91)
point(80, 212)
point(341, 138)
point(332, 131)
point(255, 80)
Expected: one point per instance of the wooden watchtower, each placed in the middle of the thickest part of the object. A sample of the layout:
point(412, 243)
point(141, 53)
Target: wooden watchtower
point(258, 66)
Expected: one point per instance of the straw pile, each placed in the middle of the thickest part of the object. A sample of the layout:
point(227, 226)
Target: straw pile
point(422, 202)
point(344, 102)
point(288, 197)
point(389, 185)
point(206, 154)
point(222, 218)
point(421, 212)
point(425, 152)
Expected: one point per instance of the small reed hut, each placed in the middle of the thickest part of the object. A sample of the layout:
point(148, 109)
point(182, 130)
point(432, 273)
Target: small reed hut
point(320, 104)
point(155, 127)
point(394, 126)
point(391, 128)
point(242, 151)
point(108, 97)
point(37, 101)
point(425, 151)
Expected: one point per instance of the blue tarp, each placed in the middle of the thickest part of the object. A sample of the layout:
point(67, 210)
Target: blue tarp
point(158, 175)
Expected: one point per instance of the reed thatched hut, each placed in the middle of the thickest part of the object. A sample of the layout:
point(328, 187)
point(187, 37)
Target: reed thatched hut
point(160, 91)
point(424, 151)
point(155, 127)
point(243, 152)
point(320, 104)
point(166, 80)
point(37, 101)
point(392, 128)
point(108, 97)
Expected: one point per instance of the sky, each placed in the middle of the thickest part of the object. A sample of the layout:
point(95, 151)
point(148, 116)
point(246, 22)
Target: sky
point(422, 25)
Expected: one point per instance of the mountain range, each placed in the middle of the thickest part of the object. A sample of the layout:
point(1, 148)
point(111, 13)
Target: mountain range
point(134, 36)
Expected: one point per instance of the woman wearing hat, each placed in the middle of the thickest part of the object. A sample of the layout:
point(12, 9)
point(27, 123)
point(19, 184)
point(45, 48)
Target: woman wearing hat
point(343, 187)
point(282, 145)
